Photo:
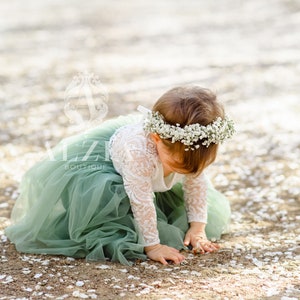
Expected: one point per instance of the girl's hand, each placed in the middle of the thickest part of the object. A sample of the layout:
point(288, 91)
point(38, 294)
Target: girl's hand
point(162, 253)
point(196, 237)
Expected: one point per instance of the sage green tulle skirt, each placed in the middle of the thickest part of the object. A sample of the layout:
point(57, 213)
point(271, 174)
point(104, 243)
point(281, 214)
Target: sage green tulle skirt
point(73, 203)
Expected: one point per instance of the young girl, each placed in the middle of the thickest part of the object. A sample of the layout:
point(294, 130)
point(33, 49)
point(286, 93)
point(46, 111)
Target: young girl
point(130, 188)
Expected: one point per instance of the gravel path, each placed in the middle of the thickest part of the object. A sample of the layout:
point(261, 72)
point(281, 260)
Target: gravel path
point(247, 51)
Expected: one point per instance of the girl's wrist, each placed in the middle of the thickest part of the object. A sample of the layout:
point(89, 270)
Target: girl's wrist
point(198, 226)
point(149, 248)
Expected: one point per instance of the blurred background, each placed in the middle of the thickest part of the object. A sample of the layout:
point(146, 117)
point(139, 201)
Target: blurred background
point(241, 49)
point(246, 51)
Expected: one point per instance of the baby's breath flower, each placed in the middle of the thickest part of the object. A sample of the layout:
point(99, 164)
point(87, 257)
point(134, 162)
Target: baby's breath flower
point(215, 132)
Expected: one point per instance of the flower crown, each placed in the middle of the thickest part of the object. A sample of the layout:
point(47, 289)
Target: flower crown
point(215, 132)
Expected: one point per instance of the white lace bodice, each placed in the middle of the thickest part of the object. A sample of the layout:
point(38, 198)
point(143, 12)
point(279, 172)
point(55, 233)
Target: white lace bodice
point(135, 157)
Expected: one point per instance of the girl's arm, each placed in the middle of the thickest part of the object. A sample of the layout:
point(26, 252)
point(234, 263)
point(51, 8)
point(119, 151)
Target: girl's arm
point(139, 189)
point(136, 166)
point(195, 193)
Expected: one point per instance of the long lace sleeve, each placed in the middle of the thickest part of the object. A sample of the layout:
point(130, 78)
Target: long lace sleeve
point(195, 191)
point(132, 158)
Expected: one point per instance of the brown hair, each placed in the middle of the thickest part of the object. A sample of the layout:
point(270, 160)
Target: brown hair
point(189, 105)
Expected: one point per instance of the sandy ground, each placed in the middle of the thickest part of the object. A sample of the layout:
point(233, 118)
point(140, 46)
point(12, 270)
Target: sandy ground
point(247, 51)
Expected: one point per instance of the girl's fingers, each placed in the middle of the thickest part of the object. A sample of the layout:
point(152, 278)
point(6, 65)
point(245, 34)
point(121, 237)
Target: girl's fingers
point(216, 245)
point(163, 253)
point(163, 261)
point(179, 259)
point(187, 240)
point(173, 255)
point(205, 246)
point(176, 260)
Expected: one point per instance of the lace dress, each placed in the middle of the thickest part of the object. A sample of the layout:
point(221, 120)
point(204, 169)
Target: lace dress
point(135, 157)
point(93, 205)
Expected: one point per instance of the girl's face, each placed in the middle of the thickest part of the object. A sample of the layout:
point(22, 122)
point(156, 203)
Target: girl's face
point(168, 161)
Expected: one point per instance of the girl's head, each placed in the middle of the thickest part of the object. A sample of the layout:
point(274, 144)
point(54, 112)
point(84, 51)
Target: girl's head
point(183, 106)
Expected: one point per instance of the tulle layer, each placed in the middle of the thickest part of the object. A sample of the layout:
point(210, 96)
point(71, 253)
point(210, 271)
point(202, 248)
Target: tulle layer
point(73, 203)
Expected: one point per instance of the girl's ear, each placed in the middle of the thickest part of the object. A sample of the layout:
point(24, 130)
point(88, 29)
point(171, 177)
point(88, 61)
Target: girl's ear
point(155, 137)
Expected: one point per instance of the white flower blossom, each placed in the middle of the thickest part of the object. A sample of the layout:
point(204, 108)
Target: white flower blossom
point(215, 132)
